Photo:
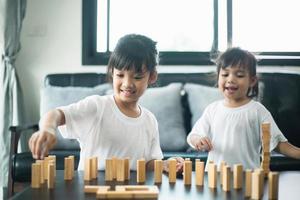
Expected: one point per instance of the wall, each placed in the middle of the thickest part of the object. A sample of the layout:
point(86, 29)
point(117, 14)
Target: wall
point(51, 43)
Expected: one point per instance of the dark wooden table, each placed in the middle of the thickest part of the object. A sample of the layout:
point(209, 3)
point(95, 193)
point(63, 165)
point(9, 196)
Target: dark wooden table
point(289, 188)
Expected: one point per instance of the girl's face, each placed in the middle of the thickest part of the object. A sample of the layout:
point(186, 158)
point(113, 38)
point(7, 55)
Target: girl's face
point(129, 86)
point(234, 83)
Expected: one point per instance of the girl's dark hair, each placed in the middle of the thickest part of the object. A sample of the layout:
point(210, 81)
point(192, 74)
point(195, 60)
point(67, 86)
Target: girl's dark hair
point(237, 57)
point(132, 52)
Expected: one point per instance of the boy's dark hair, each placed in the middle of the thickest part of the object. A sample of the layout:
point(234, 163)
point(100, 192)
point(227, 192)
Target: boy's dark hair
point(241, 58)
point(132, 52)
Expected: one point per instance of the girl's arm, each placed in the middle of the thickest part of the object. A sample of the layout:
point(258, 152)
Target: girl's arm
point(288, 149)
point(43, 140)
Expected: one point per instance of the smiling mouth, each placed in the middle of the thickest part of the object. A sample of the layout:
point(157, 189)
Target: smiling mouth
point(231, 89)
point(127, 92)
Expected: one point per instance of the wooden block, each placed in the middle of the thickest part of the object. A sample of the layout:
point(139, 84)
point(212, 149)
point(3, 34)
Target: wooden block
point(172, 170)
point(127, 169)
point(139, 191)
point(114, 167)
point(222, 164)
point(212, 175)
point(120, 170)
point(72, 165)
point(199, 170)
point(68, 170)
point(102, 191)
point(158, 169)
point(141, 171)
point(256, 190)
point(261, 181)
point(88, 169)
point(237, 176)
point(187, 172)
point(52, 159)
point(95, 188)
point(46, 163)
point(273, 185)
point(35, 175)
point(51, 176)
point(94, 168)
point(108, 170)
point(248, 174)
point(42, 170)
point(226, 178)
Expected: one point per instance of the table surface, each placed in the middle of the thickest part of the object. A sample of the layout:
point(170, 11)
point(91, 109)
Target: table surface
point(289, 188)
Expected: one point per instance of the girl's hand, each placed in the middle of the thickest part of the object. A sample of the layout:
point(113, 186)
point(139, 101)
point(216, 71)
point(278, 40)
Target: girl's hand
point(40, 143)
point(202, 143)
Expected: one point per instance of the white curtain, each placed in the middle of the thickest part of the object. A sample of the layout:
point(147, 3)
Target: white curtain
point(12, 13)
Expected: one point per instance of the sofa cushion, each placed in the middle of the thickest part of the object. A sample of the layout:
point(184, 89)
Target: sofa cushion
point(165, 104)
point(199, 97)
point(53, 96)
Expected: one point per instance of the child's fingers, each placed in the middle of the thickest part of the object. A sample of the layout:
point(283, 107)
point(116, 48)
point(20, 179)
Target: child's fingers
point(206, 144)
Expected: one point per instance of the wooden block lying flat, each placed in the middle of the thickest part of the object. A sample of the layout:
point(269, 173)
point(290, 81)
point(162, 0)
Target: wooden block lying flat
point(158, 169)
point(35, 175)
point(124, 192)
point(95, 188)
point(248, 175)
point(187, 172)
point(172, 170)
point(273, 185)
point(237, 176)
point(51, 176)
point(199, 170)
point(141, 171)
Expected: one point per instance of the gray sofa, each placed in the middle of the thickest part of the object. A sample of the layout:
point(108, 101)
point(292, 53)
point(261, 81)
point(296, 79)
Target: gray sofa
point(177, 100)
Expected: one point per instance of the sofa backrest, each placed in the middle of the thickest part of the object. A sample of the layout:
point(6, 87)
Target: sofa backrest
point(279, 92)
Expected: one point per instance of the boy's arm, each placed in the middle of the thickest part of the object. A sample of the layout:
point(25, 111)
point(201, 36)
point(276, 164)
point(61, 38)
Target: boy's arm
point(43, 140)
point(288, 149)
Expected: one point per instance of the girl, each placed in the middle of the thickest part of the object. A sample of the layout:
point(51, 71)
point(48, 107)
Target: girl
point(230, 129)
point(112, 125)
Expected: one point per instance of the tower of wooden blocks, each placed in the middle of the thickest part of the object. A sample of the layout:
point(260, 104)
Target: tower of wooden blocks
point(266, 135)
point(187, 172)
point(172, 170)
point(158, 168)
point(141, 171)
point(199, 170)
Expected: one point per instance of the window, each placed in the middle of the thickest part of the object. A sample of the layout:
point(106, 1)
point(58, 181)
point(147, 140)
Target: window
point(193, 32)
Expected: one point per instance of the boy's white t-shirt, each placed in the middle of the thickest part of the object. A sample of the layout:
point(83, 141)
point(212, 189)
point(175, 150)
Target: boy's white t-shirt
point(102, 130)
point(235, 133)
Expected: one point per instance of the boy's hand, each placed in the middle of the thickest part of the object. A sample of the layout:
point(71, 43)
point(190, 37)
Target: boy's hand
point(40, 143)
point(202, 143)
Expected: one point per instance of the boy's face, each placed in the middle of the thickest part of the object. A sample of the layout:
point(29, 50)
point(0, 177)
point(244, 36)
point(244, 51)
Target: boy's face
point(234, 83)
point(129, 86)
